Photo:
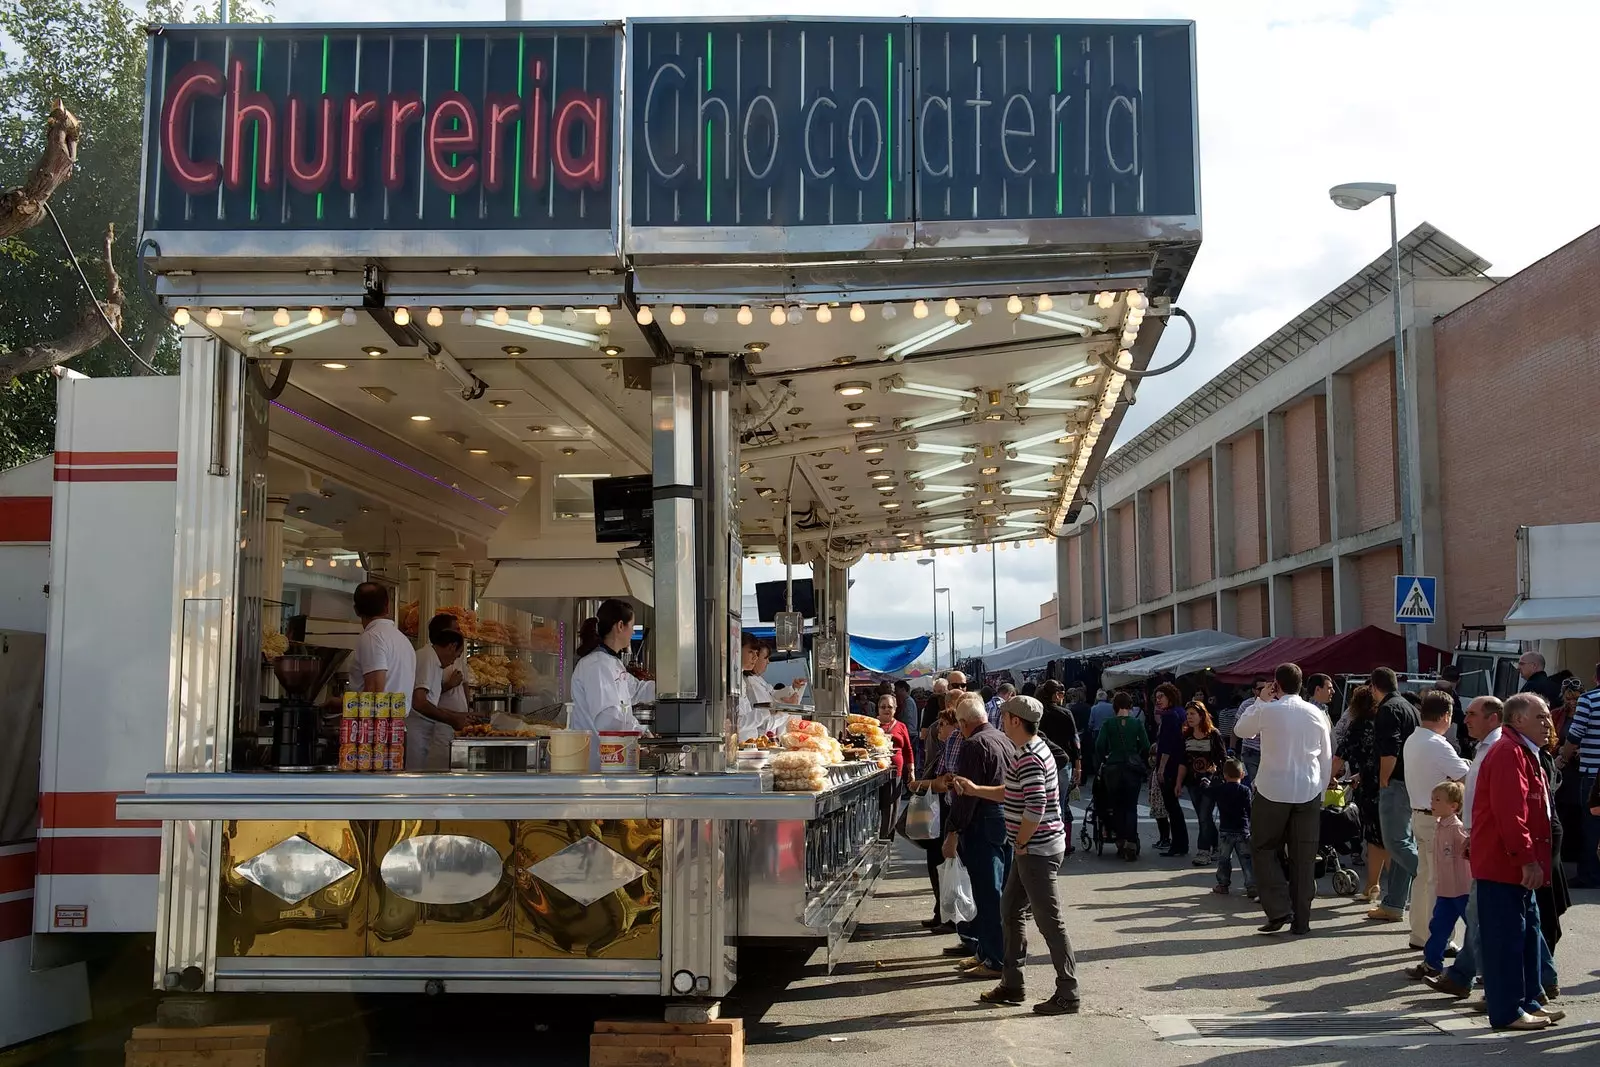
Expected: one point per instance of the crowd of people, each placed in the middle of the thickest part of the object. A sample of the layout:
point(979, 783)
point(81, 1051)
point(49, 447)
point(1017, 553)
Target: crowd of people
point(1458, 807)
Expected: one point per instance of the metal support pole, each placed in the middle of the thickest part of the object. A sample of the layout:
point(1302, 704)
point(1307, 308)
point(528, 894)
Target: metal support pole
point(933, 565)
point(994, 595)
point(1402, 404)
point(1105, 565)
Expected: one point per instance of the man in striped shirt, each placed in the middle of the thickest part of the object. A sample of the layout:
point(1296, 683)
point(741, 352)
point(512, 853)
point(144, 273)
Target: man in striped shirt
point(1583, 748)
point(1031, 803)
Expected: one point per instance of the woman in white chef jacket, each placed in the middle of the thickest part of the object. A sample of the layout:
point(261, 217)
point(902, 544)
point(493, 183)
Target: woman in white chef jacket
point(603, 692)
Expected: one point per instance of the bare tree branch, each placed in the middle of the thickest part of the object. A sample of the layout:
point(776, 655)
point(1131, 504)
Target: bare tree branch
point(23, 206)
point(90, 329)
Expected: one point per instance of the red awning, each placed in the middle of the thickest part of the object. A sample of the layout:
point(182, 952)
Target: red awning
point(1352, 652)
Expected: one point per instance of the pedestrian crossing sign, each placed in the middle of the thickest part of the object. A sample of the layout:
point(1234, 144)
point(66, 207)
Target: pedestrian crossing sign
point(1414, 599)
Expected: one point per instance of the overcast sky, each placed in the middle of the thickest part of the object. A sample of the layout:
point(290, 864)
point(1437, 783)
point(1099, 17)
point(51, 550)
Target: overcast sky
point(1476, 109)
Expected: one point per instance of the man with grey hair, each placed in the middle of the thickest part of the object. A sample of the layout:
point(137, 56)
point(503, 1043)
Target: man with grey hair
point(1032, 805)
point(1535, 680)
point(1001, 695)
point(977, 832)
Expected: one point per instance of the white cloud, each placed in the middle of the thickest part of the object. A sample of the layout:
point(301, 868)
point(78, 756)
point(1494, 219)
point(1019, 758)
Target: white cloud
point(1476, 110)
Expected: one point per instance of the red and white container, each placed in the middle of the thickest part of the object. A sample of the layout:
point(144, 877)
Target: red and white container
point(619, 751)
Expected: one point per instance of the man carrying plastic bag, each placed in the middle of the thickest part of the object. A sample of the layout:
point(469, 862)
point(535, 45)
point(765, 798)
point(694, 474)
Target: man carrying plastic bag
point(977, 830)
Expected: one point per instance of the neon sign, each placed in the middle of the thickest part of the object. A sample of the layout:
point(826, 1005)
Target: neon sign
point(382, 129)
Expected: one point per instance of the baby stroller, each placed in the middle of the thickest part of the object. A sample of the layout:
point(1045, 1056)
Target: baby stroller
point(1339, 835)
point(1096, 826)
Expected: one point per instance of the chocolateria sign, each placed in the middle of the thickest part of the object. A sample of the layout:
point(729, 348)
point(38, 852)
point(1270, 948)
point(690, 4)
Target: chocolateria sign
point(785, 135)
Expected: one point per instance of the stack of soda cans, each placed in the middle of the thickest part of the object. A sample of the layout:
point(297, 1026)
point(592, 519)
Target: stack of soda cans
point(372, 732)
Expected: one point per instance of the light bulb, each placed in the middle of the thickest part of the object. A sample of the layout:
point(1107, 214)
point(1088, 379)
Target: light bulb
point(858, 313)
point(1075, 301)
point(709, 316)
point(919, 310)
point(889, 311)
point(214, 317)
point(645, 316)
point(677, 317)
point(314, 316)
point(280, 317)
point(501, 316)
point(247, 317)
point(777, 318)
point(180, 317)
point(1128, 337)
point(347, 317)
point(1104, 300)
point(1044, 303)
point(745, 316)
point(824, 313)
point(435, 318)
point(952, 308)
point(536, 316)
point(985, 305)
point(569, 316)
point(602, 316)
point(468, 316)
point(402, 317)
point(1014, 304)
point(796, 316)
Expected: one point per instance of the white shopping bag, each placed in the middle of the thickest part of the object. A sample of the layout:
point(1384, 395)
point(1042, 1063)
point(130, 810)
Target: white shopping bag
point(955, 893)
point(922, 817)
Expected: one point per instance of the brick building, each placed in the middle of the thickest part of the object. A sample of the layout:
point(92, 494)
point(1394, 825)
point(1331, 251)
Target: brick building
point(1267, 503)
point(1046, 625)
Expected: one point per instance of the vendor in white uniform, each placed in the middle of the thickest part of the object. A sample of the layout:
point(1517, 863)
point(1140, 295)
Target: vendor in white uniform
point(603, 692)
point(757, 715)
point(439, 704)
point(384, 661)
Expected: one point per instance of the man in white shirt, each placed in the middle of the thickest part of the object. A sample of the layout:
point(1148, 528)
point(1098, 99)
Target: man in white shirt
point(384, 661)
point(1482, 723)
point(1429, 760)
point(1286, 812)
point(438, 706)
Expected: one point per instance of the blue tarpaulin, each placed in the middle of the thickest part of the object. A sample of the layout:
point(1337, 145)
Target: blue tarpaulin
point(881, 655)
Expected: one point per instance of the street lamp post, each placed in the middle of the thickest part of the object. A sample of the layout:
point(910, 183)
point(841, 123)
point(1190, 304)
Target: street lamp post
point(983, 624)
point(1353, 196)
point(931, 562)
point(951, 611)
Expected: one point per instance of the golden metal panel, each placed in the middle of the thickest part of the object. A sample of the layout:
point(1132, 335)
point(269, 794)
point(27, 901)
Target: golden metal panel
point(623, 924)
point(477, 929)
point(330, 922)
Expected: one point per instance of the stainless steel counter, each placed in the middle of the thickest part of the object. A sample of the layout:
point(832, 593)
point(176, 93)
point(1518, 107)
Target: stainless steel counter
point(734, 795)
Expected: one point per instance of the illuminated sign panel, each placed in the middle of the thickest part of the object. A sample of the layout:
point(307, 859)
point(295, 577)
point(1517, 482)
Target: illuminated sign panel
point(409, 128)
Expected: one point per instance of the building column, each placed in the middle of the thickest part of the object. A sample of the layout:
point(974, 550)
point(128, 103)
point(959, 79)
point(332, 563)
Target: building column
point(427, 591)
point(1280, 605)
point(1178, 529)
point(272, 554)
point(377, 566)
point(1228, 610)
point(1143, 548)
point(1111, 566)
point(1063, 584)
point(465, 590)
point(1223, 531)
point(1424, 390)
point(1088, 542)
point(1275, 467)
point(410, 594)
point(1341, 422)
point(1346, 592)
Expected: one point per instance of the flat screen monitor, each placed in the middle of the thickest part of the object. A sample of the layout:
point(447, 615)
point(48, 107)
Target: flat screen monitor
point(623, 510)
point(770, 599)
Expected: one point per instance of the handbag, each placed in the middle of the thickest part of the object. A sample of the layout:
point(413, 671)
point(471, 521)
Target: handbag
point(921, 818)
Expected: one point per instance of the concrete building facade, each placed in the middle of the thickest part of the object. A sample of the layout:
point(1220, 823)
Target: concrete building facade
point(1046, 625)
point(1267, 503)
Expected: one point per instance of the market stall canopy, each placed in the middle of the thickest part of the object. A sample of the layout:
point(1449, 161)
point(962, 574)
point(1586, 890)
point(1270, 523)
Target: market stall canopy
point(1023, 654)
point(1352, 652)
point(887, 656)
point(1182, 661)
point(518, 583)
point(1558, 594)
point(1151, 645)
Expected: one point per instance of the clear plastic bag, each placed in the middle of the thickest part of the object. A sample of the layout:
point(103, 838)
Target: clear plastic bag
point(955, 893)
point(922, 817)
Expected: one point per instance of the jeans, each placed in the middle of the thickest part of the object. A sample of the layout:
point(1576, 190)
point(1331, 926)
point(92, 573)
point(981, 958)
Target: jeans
point(1180, 827)
point(1589, 857)
point(1204, 816)
point(1508, 934)
point(1423, 828)
point(1252, 764)
point(1394, 820)
point(987, 858)
point(1447, 911)
point(1122, 788)
point(1229, 846)
point(1464, 971)
point(1275, 828)
point(1032, 884)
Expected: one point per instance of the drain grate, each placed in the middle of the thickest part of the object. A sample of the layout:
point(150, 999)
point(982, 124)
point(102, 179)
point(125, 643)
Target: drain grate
point(1376, 1029)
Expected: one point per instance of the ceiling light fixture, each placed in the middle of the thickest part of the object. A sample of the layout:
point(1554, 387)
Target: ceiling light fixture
point(881, 476)
point(1037, 459)
point(888, 311)
point(863, 422)
point(710, 316)
point(745, 316)
point(469, 316)
point(678, 316)
point(435, 318)
point(933, 335)
point(1055, 377)
point(897, 384)
point(777, 317)
point(796, 316)
point(991, 470)
point(561, 334)
point(214, 317)
point(943, 468)
point(422, 418)
point(871, 450)
point(180, 316)
point(852, 388)
point(1105, 300)
point(858, 313)
point(1042, 404)
point(535, 316)
point(303, 331)
point(952, 308)
point(645, 316)
point(1057, 320)
point(524, 477)
point(933, 420)
point(919, 310)
point(347, 317)
point(612, 350)
point(1044, 304)
point(478, 451)
point(942, 450)
point(281, 316)
point(941, 502)
point(336, 366)
point(1029, 442)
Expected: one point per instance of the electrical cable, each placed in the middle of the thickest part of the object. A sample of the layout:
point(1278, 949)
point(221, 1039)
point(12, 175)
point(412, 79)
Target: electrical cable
point(84, 278)
point(1138, 375)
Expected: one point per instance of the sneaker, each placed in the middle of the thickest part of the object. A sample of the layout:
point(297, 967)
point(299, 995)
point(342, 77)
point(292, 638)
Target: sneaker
point(1163, 845)
point(1220, 890)
point(1057, 1005)
point(1382, 914)
point(1420, 972)
point(1002, 995)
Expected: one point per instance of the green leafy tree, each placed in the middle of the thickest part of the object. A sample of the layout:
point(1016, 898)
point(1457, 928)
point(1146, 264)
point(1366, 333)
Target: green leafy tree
point(72, 75)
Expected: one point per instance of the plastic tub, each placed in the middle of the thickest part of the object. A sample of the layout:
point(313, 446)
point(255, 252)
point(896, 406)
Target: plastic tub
point(619, 751)
point(569, 752)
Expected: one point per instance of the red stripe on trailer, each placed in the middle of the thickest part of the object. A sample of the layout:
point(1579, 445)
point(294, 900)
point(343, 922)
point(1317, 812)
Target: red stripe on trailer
point(85, 811)
point(99, 855)
point(24, 518)
point(116, 474)
point(115, 459)
point(16, 871)
point(16, 919)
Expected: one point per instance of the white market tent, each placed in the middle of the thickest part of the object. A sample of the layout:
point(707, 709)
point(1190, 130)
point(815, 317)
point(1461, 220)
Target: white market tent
point(1150, 645)
point(1182, 661)
point(1021, 655)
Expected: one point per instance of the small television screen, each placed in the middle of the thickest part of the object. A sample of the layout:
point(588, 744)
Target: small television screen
point(770, 599)
point(623, 509)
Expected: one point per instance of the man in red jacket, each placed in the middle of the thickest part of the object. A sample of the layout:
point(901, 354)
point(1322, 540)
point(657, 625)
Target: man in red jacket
point(1510, 853)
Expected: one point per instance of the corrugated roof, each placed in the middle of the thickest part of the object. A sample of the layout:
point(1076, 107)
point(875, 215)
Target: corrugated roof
point(1424, 252)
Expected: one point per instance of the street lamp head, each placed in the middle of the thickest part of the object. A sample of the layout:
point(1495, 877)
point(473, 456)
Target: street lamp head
point(942, 589)
point(980, 607)
point(1353, 196)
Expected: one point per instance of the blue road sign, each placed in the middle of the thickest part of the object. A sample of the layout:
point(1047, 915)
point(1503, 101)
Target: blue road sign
point(1415, 599)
